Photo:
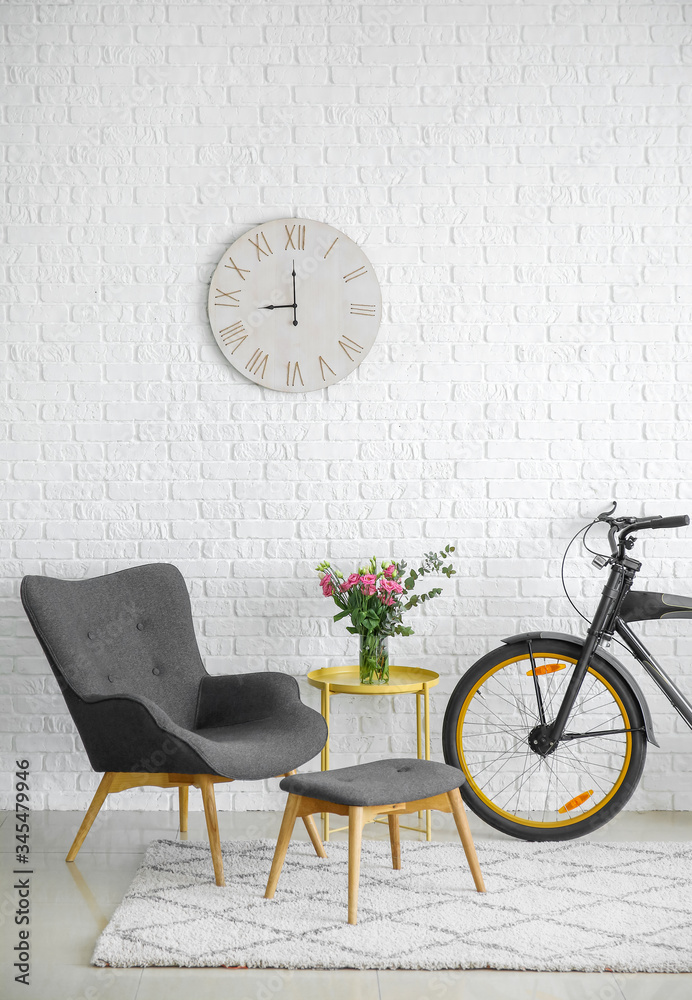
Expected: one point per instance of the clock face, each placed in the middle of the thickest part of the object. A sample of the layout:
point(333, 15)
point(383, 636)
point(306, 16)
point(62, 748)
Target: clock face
point(294, 305)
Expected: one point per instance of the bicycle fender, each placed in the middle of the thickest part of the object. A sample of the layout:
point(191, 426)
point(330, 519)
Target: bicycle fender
point(578, 642)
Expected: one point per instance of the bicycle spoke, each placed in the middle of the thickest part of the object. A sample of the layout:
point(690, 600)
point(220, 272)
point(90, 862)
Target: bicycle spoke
point(606, 722)
point(553, 687)
point(526, 775)
point(569, 795)
point(487, 708)
point(524, 711)
point(595, 763)
point(506, 753)
point(493, 732)
point(592, 777)
point(513, 704)
point(547, 794)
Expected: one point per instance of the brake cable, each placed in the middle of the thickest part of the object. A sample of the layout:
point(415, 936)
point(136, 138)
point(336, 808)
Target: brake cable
point(562, 568)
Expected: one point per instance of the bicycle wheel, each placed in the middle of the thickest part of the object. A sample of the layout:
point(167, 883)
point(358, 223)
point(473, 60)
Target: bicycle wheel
point(573, 790)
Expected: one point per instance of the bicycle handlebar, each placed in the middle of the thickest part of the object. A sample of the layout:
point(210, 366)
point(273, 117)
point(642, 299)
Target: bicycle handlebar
point(640, 523)
point(621, 527)
point(675, 521)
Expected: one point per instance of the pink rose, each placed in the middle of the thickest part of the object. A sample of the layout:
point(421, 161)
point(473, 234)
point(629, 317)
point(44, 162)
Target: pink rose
point(351, 582)
point(388, 590)
point(326, 585)
point(390, 570)
point(368, 584)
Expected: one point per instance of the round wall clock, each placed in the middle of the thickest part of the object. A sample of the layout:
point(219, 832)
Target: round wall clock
point(294, 305)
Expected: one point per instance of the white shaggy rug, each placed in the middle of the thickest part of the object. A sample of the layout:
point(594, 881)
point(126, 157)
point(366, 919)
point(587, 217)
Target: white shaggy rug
point(584, 906)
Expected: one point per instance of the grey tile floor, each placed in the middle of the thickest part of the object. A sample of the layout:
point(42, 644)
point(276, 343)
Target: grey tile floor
point(72, 903)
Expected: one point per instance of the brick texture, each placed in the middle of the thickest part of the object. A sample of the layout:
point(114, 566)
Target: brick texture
point(520, 176)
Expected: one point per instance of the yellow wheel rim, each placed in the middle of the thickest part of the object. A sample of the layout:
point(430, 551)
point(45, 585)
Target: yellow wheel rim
point(546, 824)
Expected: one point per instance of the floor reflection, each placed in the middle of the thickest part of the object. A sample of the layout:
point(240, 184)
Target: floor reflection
point(87, 895)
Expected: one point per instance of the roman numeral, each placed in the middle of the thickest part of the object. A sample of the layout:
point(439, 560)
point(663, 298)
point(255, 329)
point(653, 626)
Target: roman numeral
point(358, 273)
point(234, 334)
point(260, 249)
point(330, 248)
point(257, 363)
point(296, 371)
point(358, 309)
point(323, 365)
point(227, 295)
point(242, 271)
point(350, 345)
point(300, 238)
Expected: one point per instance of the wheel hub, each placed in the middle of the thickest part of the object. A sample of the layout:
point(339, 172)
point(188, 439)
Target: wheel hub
point(539, 741)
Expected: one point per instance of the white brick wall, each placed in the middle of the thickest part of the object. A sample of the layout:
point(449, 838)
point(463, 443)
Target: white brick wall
point(520, 176)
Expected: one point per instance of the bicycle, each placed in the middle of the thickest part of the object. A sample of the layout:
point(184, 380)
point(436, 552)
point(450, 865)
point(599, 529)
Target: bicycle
point(551, 730)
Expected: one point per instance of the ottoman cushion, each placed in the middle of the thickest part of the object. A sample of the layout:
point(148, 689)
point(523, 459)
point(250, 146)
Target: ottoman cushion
point(378, 783)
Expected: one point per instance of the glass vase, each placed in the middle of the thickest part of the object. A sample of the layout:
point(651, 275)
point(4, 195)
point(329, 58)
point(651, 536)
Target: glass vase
point(374, 658)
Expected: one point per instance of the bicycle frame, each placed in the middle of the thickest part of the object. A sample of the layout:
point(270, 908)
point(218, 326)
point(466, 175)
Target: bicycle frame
point(618, 606)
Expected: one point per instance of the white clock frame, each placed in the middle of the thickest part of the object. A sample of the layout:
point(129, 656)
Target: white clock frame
point(294, 333)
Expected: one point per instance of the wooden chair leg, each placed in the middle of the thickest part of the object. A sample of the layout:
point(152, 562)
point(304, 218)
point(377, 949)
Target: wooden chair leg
point(462, 825)
point(355, 836)
point(287, 824)
point(394, 840)
point(182, 802)
point(209, 799)
point(91, 813)
point(314, 836)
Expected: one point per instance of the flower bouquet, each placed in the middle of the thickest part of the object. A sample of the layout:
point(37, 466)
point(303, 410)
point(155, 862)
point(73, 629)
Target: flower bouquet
point(375, 601)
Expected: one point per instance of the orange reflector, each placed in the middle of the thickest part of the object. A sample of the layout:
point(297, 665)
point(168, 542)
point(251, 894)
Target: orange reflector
point(547, 668)
point(576, 801)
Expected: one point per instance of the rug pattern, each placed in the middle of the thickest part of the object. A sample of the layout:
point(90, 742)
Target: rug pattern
point(582, 906)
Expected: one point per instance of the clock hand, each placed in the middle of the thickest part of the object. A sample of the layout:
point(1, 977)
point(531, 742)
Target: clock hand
point(289, 306)
point(295, 303)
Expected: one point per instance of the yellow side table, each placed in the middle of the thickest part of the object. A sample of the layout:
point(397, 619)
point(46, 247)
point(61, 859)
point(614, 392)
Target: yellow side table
point(402, 680)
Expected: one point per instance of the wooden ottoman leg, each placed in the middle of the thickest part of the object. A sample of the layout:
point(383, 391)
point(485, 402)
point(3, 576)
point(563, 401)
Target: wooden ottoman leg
point(355, 836)
point(183, 791)
point(394, 840)
point(462, 824)
point(287, 824)
point(311, 827)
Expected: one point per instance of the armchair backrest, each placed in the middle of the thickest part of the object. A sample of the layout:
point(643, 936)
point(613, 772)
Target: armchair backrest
point(129, 632)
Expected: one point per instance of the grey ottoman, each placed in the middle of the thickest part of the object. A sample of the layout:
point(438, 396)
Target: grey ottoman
point(384, 787)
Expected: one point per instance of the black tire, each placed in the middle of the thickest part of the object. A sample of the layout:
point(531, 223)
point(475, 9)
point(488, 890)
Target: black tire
point(470, 748)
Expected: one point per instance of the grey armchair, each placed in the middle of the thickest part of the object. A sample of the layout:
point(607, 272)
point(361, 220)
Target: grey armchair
point(123, 650)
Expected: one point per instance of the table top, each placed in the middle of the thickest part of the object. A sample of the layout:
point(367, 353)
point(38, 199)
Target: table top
point(346, 680)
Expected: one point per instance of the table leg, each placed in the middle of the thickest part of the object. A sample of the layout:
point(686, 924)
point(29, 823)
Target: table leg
point(419, 741)
point(426, 699)
point(322, 714)
point(325, 757)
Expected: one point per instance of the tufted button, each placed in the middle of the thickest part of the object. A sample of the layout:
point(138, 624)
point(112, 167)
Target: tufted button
point(92, 635)
point(140, 626)
point(111, 678)
point(156, 671)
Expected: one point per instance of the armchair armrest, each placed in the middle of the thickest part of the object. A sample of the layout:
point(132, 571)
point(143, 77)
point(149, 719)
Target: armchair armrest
point(231, 699)
point(131, 733)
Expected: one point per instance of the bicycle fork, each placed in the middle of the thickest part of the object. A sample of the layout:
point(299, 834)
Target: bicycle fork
point(617, 585)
